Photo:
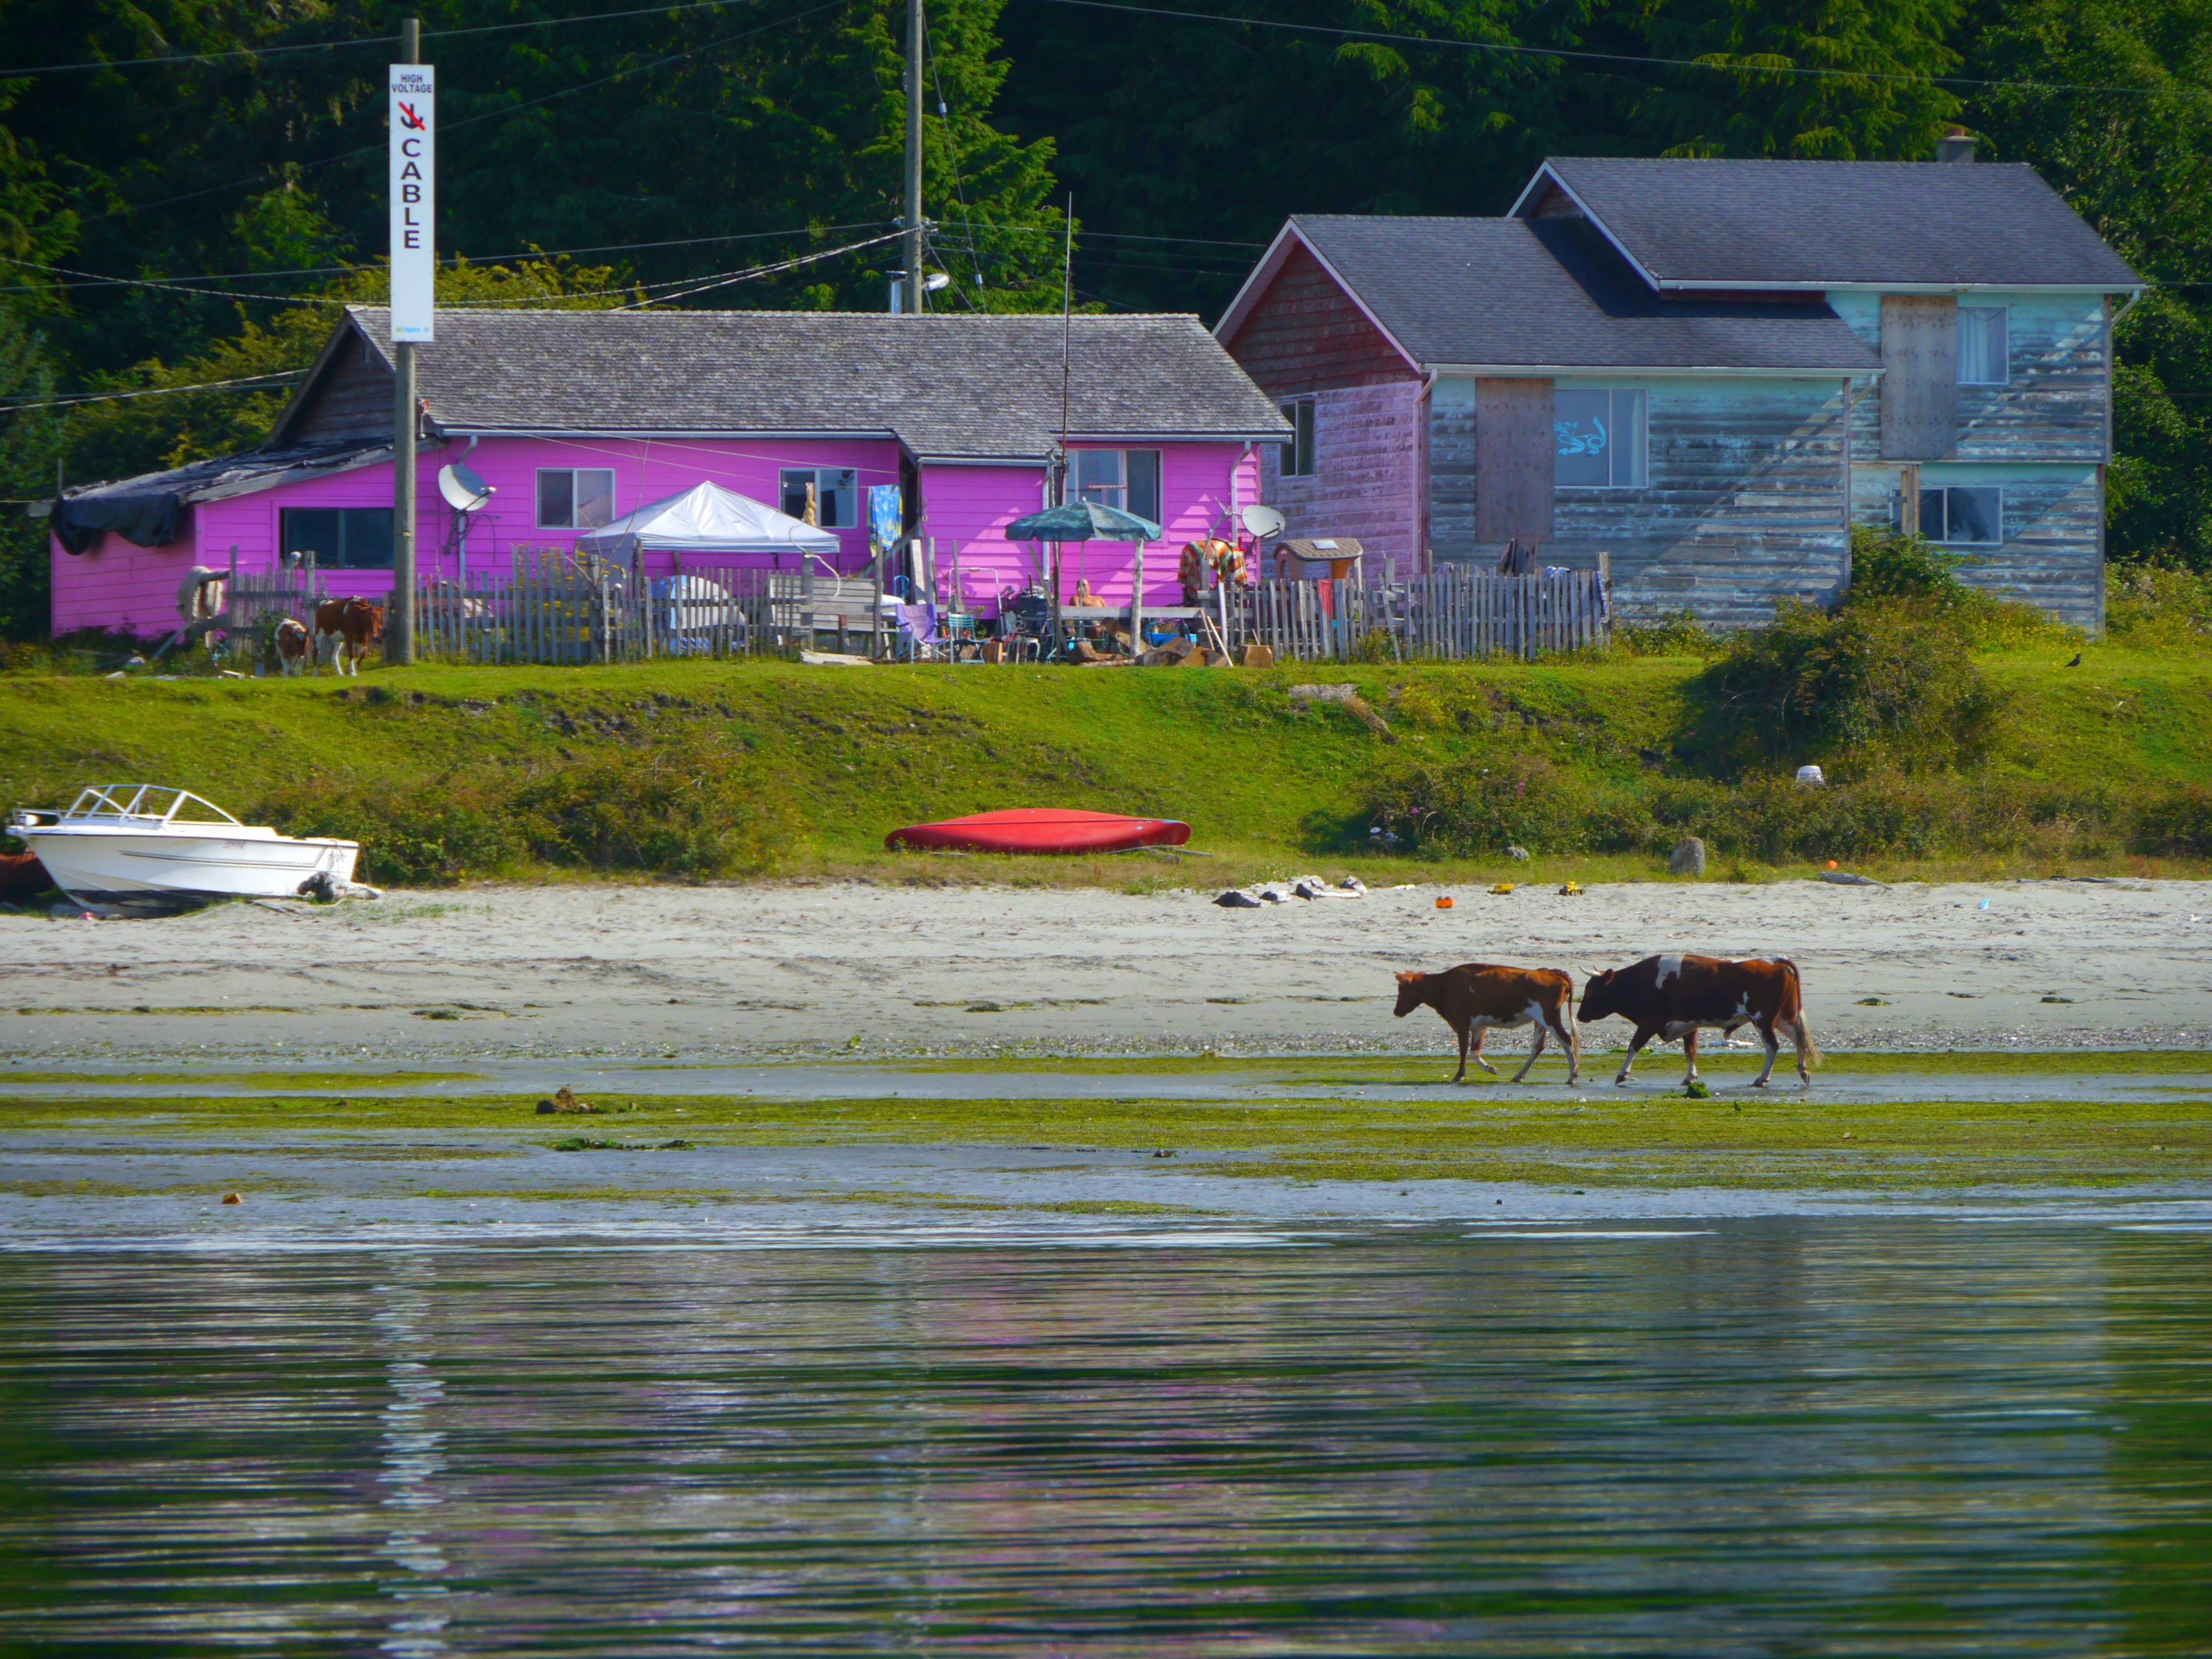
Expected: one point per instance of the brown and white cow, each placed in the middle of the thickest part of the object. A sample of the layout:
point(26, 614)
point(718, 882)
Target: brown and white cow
point(344, 629)
point(1477, 998)
point(1673, 997)
point(292, 644)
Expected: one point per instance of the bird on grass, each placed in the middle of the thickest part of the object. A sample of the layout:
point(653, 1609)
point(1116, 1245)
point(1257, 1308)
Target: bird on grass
point(2076, 663)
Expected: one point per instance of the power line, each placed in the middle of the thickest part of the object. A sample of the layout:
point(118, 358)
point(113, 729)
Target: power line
point(728, 277)
point(196, 58)
point(152, 392)
point(456, 259)
point(468, 121)
point(1738, 68)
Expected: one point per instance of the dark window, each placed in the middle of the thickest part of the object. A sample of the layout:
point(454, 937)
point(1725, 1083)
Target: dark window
point(1969, 515)
point(337, 538)
point(575, 498)
point(1598, 439)
point(836, 495)
point(1298, 455)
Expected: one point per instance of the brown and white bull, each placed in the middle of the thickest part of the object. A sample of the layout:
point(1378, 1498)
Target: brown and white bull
point(1476, 999)
point(1673, 997)
point(292, 646)
point(344, 629)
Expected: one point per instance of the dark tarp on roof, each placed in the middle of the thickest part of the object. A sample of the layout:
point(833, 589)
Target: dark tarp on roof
point(1723, 222)
point(1550, 294)
point(149, 509)
point(949, 384)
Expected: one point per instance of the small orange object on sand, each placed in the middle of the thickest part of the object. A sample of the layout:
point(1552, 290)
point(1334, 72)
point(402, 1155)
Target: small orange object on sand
point(1445, 904)
point(232, 1198)
point(1831, 864)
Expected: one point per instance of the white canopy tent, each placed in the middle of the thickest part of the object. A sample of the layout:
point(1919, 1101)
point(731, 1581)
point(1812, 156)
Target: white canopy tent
point(708, 519)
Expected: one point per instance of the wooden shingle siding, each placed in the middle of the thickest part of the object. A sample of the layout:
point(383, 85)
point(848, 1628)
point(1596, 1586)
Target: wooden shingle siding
point(1744, 504)
point(1513, 464)
point(1451, 474)
point(2051, 407)
point(1307, 335)
point(2051, 554)
point(1367, 482)
point(354, 401)
point(1919, 381)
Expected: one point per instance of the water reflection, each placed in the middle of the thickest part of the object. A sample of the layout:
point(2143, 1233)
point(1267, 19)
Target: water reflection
point(1785, 1436)
point(412, 1456)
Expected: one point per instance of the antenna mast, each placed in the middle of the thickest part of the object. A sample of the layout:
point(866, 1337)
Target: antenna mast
point(1066, 290)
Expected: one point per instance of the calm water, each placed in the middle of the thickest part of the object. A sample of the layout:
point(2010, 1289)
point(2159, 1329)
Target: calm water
point(1780, 1437)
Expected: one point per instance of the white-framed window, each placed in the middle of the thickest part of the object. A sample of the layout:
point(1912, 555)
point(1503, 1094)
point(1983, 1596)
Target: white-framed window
point(1597, 438)
point(337, 538)
point(832, 492)
point(1298, 455)
point(1126, 479)
point(575, 497)
point(1971, 515)
point(1983, 347)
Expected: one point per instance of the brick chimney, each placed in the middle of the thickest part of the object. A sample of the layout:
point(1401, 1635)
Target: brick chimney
point(1956, 145)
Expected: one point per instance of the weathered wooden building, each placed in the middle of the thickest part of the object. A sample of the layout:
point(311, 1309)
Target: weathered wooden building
point(1705, 370)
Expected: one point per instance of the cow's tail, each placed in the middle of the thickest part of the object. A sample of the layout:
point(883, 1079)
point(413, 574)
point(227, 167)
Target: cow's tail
point(1567, 1022)
point(1800, 1032)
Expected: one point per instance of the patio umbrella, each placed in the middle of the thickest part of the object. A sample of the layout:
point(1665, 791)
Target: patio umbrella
point(1089, 520)
point(1083, 521)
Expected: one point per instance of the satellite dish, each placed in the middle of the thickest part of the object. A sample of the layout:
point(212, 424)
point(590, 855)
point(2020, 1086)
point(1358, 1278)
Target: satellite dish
point(1263, 521)
point(464, 491)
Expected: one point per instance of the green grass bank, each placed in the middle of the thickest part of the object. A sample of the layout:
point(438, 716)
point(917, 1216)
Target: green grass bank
point(714, 770)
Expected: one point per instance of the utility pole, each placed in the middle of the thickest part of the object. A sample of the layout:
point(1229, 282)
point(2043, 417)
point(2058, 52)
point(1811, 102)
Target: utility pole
point(399, 626)
point(912, 289)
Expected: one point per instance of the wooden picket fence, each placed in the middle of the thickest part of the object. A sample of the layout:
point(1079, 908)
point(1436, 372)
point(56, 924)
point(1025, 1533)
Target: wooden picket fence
point(550, 606)
point(1452, 615)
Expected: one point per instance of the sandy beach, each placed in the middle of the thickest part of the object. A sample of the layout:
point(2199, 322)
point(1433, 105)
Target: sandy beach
point(696, 974)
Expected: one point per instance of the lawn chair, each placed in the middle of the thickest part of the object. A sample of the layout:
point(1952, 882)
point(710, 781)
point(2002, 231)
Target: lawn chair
point(919, 640)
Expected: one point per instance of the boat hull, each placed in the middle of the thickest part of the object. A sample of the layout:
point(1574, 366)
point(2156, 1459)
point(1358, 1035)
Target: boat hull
point(1042, 830)
point(124, 873)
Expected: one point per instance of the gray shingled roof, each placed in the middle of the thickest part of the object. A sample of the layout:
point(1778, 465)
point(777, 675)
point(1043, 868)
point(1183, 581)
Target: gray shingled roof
point(951, 386)
point(1719, 223)
point(1515, 293)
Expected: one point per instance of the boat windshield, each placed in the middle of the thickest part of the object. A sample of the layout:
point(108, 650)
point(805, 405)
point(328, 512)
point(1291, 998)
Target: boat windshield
point(144, 801)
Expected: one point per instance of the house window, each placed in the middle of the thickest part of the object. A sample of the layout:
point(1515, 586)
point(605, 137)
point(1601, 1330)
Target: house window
point(1298, 453)
point(1973, 515)
point(833, 492)
point(1597, 440)
point(1982, 346)
point(575, 498)
point(337, 538)
point(1126, 479)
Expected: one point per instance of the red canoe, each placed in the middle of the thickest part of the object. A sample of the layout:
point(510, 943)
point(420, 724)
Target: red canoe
point(1042, 829)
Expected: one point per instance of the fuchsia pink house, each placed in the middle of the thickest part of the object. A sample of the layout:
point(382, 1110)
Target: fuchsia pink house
point(576, 418)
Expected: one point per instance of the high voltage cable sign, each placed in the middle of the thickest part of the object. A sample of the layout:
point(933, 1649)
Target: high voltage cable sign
point(414, 199)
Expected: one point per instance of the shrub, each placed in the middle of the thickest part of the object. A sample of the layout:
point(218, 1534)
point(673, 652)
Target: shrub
point(448, 831)
point(1678, 635)
point(1885, 680)
point(1887, 568)
point(2158, 607)
point(685, 808)
point(2177, 823)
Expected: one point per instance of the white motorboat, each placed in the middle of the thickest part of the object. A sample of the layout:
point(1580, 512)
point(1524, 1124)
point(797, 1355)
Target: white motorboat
point(145, 849)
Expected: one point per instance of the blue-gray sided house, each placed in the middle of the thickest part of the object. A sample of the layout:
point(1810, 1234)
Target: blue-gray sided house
point(1706, 371)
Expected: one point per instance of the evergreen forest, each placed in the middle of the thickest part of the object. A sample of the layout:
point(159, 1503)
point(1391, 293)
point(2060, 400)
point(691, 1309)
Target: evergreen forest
point(188, 187)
